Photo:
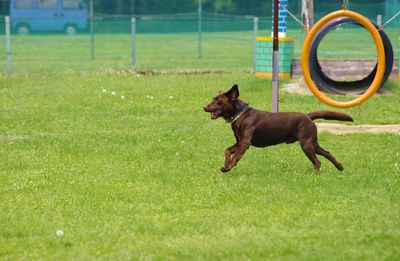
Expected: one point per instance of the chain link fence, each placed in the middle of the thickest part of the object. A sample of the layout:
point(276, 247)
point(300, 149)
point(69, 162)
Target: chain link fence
point(164, 43)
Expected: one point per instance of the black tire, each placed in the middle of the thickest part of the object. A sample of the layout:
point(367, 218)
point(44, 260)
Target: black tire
point(70, 29)
point(23, 29)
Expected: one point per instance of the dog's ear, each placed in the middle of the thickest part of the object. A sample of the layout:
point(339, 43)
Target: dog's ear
point(233, 93)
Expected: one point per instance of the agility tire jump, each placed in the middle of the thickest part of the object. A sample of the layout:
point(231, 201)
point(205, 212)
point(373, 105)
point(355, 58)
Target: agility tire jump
point(326, 84)
point(311, 68)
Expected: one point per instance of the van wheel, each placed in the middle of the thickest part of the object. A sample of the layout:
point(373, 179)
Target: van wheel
point(70, 29)
point(23, 29)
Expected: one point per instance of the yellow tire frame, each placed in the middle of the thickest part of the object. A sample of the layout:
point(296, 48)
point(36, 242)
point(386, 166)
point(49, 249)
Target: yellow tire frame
point(380, 64)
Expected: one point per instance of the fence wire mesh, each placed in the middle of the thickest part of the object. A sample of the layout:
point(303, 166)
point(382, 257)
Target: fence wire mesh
point(169, 42)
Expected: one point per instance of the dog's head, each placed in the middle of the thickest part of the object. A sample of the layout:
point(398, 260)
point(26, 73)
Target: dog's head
point(224, 104)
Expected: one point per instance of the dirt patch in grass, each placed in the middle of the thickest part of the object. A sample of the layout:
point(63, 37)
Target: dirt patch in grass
point(336, 128)
point(297, 86)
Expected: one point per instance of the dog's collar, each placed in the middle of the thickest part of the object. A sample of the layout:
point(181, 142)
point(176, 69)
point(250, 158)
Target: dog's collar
point(236, 116)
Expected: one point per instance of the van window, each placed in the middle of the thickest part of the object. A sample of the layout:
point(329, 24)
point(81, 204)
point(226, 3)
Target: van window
point(71, 4)
point(46, 4)
point(23, 4)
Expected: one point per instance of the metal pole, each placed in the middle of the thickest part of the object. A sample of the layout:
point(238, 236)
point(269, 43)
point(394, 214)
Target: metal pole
point(255, 33)
point(307, 12)
point(379, 20)
point(133, 42)
point(199, 30)
point(275, 60)
point(91, 30)
point(8, 45)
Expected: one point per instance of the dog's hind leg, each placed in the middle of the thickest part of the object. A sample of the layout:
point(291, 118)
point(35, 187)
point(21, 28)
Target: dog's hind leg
point(309, 150)
point(328, 155)
point(307, 137)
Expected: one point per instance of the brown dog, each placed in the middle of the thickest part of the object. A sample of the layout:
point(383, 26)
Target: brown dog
point(262, 129)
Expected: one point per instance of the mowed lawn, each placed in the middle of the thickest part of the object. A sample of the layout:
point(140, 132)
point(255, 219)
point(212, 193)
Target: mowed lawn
point(138, 177)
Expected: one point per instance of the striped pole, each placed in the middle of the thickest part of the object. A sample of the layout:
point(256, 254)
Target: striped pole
point(275, 59)
point(282, 19)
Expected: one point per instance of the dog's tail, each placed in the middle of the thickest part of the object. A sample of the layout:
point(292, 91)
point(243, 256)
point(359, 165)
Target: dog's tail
point(329, 115)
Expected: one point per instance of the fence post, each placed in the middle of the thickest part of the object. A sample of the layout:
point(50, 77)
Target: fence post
point(379, 20)
point(133, 42)
point(8, 45)
point(199, 29)
point(91, 30)
point(255, 33)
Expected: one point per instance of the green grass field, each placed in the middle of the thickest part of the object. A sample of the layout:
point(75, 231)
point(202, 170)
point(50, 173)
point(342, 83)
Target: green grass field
point(138, 178)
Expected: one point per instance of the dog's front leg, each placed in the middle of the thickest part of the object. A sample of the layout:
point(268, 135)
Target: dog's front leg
point(240, 150)
point(228, 153)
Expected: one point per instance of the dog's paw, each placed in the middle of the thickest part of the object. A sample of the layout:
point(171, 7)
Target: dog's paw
point(227, 162)
point(224, 169)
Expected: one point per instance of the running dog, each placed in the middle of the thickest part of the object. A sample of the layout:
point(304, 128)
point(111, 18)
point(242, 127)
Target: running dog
point(261, 129)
